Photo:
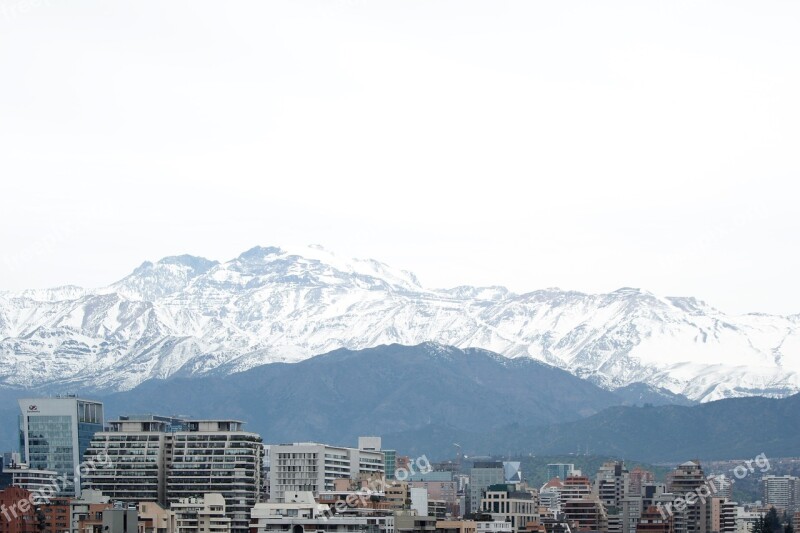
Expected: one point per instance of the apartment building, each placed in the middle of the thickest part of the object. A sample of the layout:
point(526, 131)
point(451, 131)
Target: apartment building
point(164, 460)
point(782, 492)
point(313, 467)
point(206, 514)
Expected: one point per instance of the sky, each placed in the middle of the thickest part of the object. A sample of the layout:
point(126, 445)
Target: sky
point(581, 145)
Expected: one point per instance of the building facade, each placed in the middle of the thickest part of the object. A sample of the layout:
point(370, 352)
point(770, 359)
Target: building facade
point(313, 467)
point(55, 433)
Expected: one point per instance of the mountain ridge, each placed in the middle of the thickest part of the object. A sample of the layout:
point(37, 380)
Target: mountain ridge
point(187, 315)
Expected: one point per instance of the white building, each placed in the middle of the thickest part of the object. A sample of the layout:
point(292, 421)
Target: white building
point(313, 467)
point(300, 513)
point(168, 462)
point(33, 480)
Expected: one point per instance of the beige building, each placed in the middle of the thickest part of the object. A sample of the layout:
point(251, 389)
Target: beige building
point(204, 514)
point(456, 526)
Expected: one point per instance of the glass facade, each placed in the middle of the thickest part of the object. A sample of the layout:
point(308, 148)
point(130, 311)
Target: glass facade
point(55, 433)
point(50, 443)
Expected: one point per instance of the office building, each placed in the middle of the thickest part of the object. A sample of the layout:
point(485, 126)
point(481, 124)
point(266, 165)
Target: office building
point(483, 475)
point(55, 433)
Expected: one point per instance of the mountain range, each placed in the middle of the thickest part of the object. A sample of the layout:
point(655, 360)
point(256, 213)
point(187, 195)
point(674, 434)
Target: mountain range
point(191, 317)
point(422, 399)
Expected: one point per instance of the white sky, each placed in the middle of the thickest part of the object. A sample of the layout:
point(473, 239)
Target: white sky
point(584, 145)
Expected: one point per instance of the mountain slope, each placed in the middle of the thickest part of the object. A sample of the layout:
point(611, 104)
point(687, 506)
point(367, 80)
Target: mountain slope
point(729, 429)
point(340, 395)
point(189, 316)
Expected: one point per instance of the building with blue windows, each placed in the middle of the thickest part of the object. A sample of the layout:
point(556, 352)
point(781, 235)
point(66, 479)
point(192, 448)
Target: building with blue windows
point(55, 433)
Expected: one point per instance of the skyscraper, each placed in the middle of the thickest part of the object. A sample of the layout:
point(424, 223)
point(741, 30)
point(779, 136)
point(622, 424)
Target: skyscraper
point(55, 433)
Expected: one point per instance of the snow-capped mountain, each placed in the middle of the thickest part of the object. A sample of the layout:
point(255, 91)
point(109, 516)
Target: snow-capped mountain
point(187, 315)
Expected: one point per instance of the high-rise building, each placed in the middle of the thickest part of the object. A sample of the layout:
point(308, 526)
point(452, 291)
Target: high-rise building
point(612, 484)
point(560, 470)
point(163, 461)
point(482, 475)
point(55, 433)
point(689, 478)
point(782, 492)
point(313, 467)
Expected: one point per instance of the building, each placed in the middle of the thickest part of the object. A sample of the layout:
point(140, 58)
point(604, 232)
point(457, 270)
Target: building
point(638, 478)
point(722, 485)
point(482, 475)
point(723, 515)
point(120, 520)
point(39, 482)
point(586, 514)
point(86, 512)
point(575, 488)
point(313, 467)
point(456, 526)
point(550, 494)
point(137, 450)
point(419, 500)
point(18, 514)
point(153, 460)
point(55, 515)
point(55, 433)
point(612, 484)
point(439, 509)
point(652, 521)
point(511, 503)
point(688, 478)
point(300, 513)
point(389, 463)
point(781, 492)
point(410, 522)
point(487, 525)
point(206, 514)
point(560, 470)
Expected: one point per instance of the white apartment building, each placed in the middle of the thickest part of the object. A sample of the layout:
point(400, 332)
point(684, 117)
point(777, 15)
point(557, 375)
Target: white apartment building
point(169, 460)
point(313, 467)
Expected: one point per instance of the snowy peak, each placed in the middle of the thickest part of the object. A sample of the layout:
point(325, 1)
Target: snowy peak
point(191, 316)
point(151, 281)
